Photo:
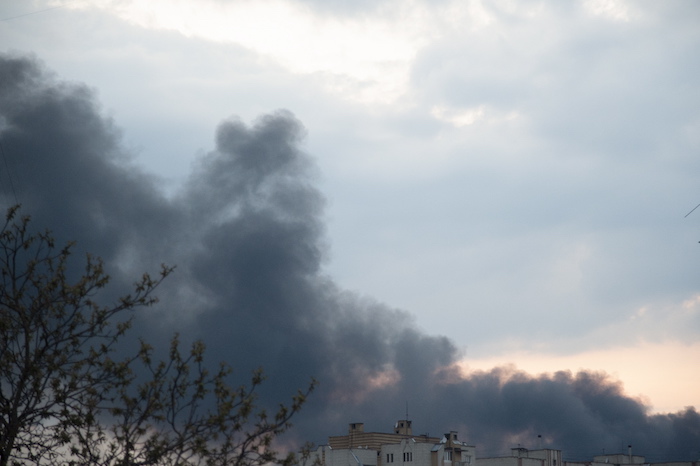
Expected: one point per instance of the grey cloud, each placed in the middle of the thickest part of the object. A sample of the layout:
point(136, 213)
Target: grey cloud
point(593, 158)
point(340, 7)
point(247, 235)
point(599, 72)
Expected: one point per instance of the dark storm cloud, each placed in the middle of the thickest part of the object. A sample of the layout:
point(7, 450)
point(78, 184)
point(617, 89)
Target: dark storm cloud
point(247, 235)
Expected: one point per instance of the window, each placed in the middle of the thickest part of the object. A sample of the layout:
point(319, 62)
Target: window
point(448, 455)
point(389, 457)
point(407, 456)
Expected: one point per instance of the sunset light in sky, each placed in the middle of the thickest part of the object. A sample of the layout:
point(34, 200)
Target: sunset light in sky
point(429, 184)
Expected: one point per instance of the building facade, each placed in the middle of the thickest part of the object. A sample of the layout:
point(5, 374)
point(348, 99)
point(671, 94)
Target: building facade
point(524, 457)
point(398, 448)
point(402, 448)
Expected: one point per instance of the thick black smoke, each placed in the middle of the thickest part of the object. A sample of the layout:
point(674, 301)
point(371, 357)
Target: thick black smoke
point(246, 234)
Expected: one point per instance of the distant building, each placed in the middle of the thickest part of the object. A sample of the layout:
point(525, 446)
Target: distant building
point(402, 448)
point(448, 451)
point(524, 457)
point(357, 437)
point(397, 448)
point(616, 459)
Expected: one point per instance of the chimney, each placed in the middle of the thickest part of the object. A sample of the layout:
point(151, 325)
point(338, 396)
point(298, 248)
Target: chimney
point(356, 427)
point(403, 427)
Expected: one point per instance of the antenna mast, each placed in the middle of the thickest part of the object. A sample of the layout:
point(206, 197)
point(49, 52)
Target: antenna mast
point(692, 210)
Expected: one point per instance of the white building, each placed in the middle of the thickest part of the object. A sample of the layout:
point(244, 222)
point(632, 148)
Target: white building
point(524, 457)
point(400, 448)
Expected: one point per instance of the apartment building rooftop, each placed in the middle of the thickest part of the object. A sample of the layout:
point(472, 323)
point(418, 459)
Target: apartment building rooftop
point(357, 437)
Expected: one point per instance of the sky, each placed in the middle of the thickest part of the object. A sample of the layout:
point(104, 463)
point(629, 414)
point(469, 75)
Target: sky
point(437, 204)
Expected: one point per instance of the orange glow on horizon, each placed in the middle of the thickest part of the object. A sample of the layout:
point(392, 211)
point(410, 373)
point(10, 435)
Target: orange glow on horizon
point(664, 376)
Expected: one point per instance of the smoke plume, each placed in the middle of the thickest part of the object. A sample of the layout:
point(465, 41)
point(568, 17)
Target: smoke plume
point(246, 232)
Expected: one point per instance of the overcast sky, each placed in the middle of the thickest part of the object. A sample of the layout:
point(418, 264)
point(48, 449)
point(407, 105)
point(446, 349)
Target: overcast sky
point(511, 175)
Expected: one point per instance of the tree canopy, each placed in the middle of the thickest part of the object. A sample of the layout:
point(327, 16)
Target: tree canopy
point(66, 397)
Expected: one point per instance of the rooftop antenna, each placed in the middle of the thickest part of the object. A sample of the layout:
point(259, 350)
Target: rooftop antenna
point(692, 210)
point(33, 12)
